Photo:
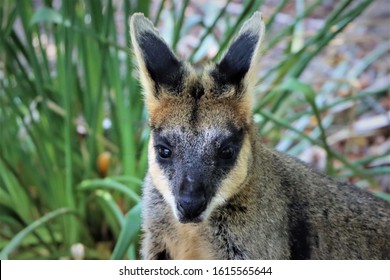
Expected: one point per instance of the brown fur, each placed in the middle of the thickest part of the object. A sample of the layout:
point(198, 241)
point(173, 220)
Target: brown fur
point(267, 205)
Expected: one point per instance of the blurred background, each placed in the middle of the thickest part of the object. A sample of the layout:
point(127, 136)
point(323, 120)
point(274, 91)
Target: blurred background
point(74, 131)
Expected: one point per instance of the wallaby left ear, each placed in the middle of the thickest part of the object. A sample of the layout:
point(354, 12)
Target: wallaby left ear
point(237, 65)
point(158, 66)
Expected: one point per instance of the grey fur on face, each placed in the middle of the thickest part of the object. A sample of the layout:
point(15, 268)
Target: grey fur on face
point(194, 167)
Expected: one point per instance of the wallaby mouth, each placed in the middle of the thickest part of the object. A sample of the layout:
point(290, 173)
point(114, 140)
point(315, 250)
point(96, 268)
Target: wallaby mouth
point(190, 209)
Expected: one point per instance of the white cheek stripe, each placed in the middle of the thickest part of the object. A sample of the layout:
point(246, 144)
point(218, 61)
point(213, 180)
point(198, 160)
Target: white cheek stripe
point(159, 179)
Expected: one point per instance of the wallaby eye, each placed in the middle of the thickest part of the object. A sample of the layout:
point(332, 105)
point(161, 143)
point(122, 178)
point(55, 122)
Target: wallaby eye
point(164, 152)
point(227, 152)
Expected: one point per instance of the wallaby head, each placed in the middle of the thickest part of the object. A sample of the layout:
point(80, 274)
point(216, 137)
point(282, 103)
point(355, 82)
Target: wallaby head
point(199, 150)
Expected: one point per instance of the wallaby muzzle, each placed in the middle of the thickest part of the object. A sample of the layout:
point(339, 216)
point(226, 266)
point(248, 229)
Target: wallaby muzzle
point(191, 200)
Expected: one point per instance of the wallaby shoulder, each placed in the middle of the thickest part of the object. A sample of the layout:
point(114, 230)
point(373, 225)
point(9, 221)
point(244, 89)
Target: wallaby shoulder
point(328, 218)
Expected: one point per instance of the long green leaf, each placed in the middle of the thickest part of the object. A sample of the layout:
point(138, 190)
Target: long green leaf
point(109, 184)
point(129, 232)
point(15, 242)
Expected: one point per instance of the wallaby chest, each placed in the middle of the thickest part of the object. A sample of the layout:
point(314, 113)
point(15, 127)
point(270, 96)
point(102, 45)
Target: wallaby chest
point(188, 242)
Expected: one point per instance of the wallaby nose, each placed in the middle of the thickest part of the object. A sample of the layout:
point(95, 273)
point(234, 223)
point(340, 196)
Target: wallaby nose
point(191, 207)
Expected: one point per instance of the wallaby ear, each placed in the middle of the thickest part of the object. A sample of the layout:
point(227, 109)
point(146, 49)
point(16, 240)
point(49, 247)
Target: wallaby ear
point(159, 67)
point(238, 64)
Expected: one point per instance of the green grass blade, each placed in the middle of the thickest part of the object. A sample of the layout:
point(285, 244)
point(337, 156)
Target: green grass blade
point(233, 30)
point(208, 31)
point(179, 24)
point(112, 213)
point(108, 183)
point(14, 243)
point(129, 232)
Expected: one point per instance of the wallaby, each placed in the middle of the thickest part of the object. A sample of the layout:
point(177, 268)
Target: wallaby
point(214, 191)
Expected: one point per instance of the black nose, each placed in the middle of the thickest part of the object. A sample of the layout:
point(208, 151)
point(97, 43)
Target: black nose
point(191, 207)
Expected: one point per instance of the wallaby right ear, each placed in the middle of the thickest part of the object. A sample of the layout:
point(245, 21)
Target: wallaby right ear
point(238, 65)
point(159, 67)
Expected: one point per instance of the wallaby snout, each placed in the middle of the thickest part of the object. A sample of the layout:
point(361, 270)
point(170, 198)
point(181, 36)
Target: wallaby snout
point(191, 208)
point(191, 199)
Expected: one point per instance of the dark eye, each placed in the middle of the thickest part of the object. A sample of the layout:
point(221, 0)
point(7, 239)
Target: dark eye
point(164, 152)
point(227, 153)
